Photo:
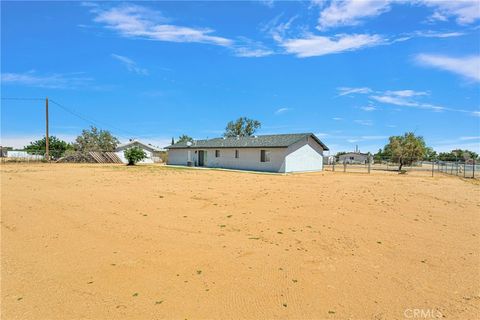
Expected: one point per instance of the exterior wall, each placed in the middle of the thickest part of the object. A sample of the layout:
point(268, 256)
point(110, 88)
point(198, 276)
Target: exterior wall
point(150, 155)
point(249, 158)
point(304, 155)
point(179, 157)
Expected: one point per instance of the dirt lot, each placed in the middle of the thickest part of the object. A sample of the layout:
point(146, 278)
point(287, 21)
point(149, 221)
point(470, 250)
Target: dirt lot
point(149, 242)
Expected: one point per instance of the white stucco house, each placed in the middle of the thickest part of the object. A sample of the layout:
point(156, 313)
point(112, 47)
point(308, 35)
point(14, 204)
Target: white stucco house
point(151, 151)
point(271, 153)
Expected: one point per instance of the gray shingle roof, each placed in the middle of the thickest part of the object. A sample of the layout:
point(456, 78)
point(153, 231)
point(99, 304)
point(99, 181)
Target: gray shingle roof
point(264, 141)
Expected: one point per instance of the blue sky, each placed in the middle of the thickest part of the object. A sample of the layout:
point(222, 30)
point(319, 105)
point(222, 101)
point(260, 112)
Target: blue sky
point(354, 73)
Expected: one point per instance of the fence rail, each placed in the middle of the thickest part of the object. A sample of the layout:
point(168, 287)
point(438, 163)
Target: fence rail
point(465, 169)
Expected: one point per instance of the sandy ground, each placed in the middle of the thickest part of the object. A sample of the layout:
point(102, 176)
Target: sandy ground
point(149, 242)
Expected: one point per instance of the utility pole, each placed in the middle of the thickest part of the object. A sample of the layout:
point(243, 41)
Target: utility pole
point(47, 150)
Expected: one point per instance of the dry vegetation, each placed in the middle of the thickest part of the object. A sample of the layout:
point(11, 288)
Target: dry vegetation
point(148, 242)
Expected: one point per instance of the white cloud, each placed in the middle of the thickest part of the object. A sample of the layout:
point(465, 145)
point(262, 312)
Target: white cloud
point(353, 140)
point(464, 11)
point(276, 29)
point(353, 12)
point(434, 34)
point(404, 98)
point(337, 119)
point(130, 64)
point(313, 45)
point(343, 91)
point(321, 134)
point(402, 101)
point(282, 110)
point(138, 22)
point(373, 137)
point(249, 48)
point(468, 67)
point(50, 81)
point(470, 138)
point(252, 52)
point(349, 12)
point(406, 93)
point(364, 122)
point(368, 108)
point(134, 21)
point(267, 3)
point(89, 4)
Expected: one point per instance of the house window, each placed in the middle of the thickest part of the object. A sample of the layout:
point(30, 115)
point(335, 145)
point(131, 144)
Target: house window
point(264, 156)
point(217, 153)
point(352, 158)
point(236, 154)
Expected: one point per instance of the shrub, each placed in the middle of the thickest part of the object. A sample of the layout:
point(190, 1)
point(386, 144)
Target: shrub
point(134, 155)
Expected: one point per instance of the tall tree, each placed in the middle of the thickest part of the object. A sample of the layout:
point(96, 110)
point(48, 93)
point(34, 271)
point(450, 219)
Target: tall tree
point(95, 140)
point(184, 138)
point(457, 154)
point(405, 149)
point(173, 141)
point(56, 147)
point(242, 127)
point(430, 154)
point(379, 156)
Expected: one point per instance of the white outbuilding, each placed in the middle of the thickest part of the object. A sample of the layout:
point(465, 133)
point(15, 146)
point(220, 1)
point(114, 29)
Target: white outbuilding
point(153, 153)
point(272, 153)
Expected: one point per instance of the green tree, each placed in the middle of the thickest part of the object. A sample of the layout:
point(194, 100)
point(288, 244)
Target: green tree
point(95, 140)
point(173, 141)
point(379, 156)
point(242, 127)
point(457, 154)
point(134, 155)
point(448, 156)
point(56, 147)
point(465, 154)
point(430, 154)
point(184, 138)
point(406, 149)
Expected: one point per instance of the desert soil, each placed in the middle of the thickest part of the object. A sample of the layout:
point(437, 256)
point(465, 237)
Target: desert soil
point(150, 242)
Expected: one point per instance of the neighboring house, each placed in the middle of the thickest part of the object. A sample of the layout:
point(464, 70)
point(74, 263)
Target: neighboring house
point(355, 157)
point(328, 159)
point(153, 153)
point(4, 150)
point(272, 153)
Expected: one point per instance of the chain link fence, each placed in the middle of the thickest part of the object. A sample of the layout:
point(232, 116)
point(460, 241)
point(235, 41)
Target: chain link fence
point(466, 168)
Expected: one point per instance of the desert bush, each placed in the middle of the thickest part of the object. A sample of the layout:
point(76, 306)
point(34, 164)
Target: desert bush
point(134, 155)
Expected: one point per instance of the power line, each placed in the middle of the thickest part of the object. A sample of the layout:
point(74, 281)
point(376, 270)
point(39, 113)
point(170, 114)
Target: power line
point(88, 119)
point(73, 112)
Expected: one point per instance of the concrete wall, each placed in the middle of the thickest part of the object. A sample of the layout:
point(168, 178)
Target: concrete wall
point(306, 155)
point(249, 158)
